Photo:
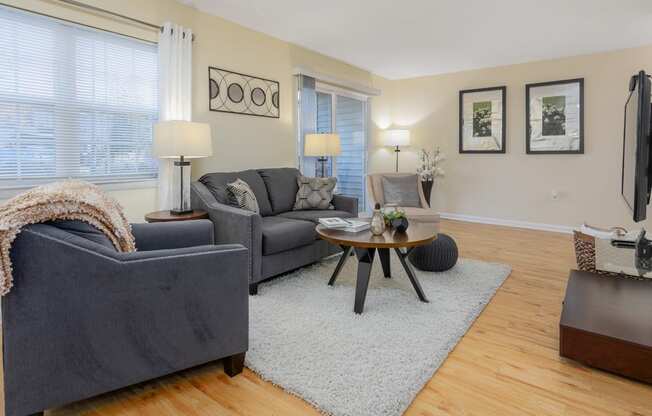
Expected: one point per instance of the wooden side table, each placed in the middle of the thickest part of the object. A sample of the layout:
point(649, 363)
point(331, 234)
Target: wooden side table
point(166, 216)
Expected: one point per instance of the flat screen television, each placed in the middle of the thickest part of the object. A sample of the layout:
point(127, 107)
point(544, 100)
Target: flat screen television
point(637, 172)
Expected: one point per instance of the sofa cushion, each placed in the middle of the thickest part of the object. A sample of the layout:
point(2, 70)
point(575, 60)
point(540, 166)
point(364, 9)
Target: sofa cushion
point(282, 187)
point(281, 234)
point(401, 190)
point(421, 214)
point(314, 215)
point(216, 183)
point(241, 196)
point(84, 230)
point(314, 193)
point(375, 188)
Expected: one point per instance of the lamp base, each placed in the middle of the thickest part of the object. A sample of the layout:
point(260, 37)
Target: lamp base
point(323, 160)
point(181, 188)
point(397, 150)
point(177, 212)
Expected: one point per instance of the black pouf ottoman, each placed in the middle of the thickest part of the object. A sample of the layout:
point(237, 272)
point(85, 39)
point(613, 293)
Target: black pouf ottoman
point(438, 256)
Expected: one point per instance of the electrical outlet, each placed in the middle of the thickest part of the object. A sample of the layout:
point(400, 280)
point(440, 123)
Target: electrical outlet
point(554, 194)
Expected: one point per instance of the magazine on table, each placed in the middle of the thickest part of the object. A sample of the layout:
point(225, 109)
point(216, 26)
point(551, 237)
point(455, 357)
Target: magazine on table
point(344, 224)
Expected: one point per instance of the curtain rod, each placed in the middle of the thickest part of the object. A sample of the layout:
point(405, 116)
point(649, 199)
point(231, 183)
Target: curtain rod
point(337, 82)
point(114, 14)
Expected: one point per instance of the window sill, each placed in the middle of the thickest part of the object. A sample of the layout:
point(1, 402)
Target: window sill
point(105, 186)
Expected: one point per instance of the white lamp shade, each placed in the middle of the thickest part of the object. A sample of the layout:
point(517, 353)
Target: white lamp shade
point(176, 138)
point(322, 145)
point(396, 137)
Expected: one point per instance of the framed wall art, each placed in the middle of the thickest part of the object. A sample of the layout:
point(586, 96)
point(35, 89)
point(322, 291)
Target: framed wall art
point(232, 92)
point(554, 117)
point(483, 120)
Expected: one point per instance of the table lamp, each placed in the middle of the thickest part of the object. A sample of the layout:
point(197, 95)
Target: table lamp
point(396, 138)
point(322, 145)
point(182, 140)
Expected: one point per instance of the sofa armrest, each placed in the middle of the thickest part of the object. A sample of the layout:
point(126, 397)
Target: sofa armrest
point(232, 226)
point(170, 235)
point(346, 203)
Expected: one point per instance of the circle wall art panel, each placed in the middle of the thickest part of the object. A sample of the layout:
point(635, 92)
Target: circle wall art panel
point(232, 92)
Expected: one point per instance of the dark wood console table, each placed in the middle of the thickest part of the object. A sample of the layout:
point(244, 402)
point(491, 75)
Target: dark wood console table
point(606, 322)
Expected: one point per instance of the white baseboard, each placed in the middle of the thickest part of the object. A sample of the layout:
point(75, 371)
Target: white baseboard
point(508, 223)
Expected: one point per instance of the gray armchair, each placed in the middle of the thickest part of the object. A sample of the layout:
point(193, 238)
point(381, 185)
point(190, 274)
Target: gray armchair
point(279, 239)
point(422, 213)
point(83, 319)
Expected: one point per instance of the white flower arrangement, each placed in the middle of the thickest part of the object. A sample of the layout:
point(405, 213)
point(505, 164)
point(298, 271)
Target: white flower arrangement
point(430, 168)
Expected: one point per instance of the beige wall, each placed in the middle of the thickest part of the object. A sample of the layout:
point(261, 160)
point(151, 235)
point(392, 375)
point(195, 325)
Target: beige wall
point(516, 186)
point(513, 186)
point(239, 141)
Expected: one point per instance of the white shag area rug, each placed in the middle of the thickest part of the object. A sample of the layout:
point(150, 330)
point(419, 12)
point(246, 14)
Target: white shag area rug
point(305, 337)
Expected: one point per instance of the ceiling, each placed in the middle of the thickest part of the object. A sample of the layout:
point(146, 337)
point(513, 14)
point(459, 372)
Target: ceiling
point(409, 38)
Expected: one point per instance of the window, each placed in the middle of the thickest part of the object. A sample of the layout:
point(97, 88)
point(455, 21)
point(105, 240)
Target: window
point(324, 125)
point(345, 113)
point(74, 103)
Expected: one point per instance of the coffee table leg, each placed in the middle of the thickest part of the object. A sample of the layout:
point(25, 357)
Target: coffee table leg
point(340, 264)
point(365, 261)
point(410, 273)
point(383, 253)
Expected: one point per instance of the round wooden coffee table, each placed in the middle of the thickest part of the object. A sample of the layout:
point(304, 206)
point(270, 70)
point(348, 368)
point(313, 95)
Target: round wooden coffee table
point(366, 244)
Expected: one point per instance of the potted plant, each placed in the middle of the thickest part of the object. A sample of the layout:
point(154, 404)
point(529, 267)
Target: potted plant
point(430, 169)
point(396, 219)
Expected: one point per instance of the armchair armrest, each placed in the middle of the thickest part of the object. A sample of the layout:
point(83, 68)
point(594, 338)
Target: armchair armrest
point(346, 203)
point(162, 254)
point(170, 235)
point(132, 316)
point(232, 226)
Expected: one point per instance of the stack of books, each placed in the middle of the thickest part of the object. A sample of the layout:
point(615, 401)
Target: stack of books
point(343, 224)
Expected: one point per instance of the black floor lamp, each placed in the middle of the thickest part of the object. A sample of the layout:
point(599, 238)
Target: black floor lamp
point(396, 138)
point(322, 145)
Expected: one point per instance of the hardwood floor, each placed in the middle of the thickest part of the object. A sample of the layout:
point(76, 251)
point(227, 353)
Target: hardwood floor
point(507, 364)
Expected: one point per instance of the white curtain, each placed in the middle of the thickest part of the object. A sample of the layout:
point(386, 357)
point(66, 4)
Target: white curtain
point(175, 93)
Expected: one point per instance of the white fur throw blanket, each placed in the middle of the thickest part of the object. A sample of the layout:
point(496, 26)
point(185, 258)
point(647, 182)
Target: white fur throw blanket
point(66, 200)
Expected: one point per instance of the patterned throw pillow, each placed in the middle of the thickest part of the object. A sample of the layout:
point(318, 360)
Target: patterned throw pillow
point(240, 195)
point(315, 193)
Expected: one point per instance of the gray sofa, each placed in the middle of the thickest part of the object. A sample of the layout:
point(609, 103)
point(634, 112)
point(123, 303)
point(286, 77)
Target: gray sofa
point(83, 319)
point(279, 239)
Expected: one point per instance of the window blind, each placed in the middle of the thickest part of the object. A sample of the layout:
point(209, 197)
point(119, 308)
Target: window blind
point(324, 125)
point(74, 102)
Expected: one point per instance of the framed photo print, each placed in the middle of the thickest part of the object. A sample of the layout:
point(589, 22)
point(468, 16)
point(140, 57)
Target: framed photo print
point(483, 120)
point(554, 117)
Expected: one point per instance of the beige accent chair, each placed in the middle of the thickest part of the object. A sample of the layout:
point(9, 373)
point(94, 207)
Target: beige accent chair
point(377, 195)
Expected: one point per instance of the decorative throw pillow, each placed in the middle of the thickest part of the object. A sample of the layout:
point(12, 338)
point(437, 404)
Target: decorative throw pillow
point(314, 193)
point(401, 190)
point(240, 195)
